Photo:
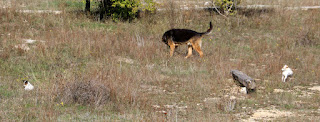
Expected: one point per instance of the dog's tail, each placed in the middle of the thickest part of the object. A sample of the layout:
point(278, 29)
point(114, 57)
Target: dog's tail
point(209, 30)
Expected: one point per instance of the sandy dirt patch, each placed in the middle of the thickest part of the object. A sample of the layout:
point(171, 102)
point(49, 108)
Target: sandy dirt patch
point(267, 115)
point(316, 88)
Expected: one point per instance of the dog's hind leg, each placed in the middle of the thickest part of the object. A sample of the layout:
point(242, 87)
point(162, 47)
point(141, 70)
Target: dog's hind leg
point(197, 47)
point(285, 78)
point(189, 50)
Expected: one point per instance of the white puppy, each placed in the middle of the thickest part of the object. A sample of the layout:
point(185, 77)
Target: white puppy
point(27, 86)
point(286, 72)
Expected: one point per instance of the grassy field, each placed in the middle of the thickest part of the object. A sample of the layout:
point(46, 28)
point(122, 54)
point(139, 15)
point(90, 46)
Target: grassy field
point(86, 70)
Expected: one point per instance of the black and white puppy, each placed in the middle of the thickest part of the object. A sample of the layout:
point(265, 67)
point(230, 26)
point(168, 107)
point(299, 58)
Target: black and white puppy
point(27, 85)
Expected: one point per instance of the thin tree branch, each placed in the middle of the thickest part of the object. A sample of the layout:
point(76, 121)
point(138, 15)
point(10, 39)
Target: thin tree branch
point(218, 10)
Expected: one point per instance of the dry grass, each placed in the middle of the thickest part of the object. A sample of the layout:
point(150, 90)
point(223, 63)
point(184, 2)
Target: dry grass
point(282, 2)
point(129, 66)
point(85, 92)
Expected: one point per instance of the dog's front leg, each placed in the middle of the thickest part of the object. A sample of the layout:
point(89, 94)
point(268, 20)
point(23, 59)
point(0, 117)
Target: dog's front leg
point(171, 50)
point(172, 46)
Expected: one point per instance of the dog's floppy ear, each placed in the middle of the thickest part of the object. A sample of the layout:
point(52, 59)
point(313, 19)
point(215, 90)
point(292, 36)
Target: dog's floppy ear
point(25, 82)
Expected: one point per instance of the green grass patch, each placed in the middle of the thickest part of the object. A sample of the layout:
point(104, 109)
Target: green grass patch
point(4, 92)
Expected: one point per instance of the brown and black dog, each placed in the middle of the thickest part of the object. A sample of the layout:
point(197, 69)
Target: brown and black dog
point(176, 37)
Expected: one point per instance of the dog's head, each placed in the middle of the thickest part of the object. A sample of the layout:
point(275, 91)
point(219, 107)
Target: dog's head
point(167, 36)
point(164, 39)
point(25, 82)
point(285, 67)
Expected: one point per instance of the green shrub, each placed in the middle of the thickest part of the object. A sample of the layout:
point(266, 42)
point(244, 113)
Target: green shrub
point(124, 9)
point(227, 6)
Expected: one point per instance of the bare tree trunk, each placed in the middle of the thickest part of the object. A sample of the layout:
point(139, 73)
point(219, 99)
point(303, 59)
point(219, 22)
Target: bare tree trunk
point(87, 9)
point(243, 79)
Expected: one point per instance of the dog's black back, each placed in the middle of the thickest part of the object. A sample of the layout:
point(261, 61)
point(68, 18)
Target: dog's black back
point(182, 35)
point(179, 35)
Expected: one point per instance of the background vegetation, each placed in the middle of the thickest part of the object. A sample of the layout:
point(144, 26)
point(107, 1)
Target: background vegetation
point(86, 70)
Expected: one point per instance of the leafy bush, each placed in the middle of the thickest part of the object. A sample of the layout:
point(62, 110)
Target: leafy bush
point(227, 6)
point(124, 9)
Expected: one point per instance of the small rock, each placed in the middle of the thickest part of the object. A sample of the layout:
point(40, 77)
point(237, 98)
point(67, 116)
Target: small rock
point(29, 41)
point(233, 97)
point(126, 60)
point(22, 47)
point(316, 88)
point(278, 90)
point(213, 100)
point(150, 66)
point(169, 106)
point(235, 60)
point(183, 107)
point(155, 106)
point(163, 112)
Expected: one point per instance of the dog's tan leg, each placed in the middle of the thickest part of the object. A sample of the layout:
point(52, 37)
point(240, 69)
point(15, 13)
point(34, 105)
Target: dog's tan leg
point(189, 51)
point(171, 50)
point(197, 47)
point(172, 46)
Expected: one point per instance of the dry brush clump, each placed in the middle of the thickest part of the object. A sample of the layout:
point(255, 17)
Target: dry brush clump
point(90, 92)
